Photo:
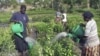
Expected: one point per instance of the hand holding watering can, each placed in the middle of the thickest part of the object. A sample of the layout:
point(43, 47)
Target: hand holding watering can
point(17, 28)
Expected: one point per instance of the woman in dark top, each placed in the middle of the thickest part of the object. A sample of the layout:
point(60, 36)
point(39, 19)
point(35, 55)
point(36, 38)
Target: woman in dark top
point(20, 44)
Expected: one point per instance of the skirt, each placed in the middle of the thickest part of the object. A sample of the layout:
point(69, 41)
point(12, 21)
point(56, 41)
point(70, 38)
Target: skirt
point(91, 51)
point(20, 44)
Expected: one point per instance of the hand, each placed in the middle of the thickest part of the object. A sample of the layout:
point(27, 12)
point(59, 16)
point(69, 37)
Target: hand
point(83, 39)
point(82, 24)
point(16, 21)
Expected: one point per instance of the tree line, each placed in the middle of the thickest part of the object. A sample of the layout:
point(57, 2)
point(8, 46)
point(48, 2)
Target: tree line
point(56, 4)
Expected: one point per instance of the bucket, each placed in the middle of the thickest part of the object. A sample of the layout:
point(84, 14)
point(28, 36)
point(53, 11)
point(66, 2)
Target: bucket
point(17, 28)
point(78, 31)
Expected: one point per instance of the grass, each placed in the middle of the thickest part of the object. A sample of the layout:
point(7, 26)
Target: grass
point(37, 15)
point(42, 11)
point(5, 16)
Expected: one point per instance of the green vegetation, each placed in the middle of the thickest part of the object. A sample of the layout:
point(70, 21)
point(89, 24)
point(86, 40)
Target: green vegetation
point(43, 21)
point(42, 15)
point(6, 42)
point(4, 17)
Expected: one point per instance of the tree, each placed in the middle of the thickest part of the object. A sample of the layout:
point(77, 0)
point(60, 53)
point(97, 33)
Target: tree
point(29, 1)
point(88, 4)
point(70, 3)
point(95, 4)
point(7, 3)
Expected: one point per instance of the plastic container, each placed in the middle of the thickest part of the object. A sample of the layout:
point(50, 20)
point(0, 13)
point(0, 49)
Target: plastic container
point(30, 42)
point(78, 31)
point(17, 28)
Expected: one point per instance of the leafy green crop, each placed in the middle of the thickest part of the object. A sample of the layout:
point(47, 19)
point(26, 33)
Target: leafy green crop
point(6, 42)
point(47, 29)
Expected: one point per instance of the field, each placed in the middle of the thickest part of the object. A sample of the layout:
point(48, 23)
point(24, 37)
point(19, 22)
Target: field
point(43, 21)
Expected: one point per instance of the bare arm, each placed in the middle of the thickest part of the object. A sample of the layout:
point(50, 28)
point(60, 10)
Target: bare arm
point(28, 28)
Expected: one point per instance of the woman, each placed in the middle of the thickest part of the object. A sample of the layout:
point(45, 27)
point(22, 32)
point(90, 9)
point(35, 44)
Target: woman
point(58, 16)
point(64, 19)
point(91, 45)
point(20, 44)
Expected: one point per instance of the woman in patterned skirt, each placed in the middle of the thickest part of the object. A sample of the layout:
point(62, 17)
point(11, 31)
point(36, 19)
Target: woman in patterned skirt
point(91, 44)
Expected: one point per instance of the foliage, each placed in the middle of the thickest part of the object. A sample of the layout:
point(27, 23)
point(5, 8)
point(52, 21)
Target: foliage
point(43, 21)
point(29, 1)
point(6, 42)
point(58, 28)
point(42, 11)
point(4, 17)
point(95, 3)
point(7, 3)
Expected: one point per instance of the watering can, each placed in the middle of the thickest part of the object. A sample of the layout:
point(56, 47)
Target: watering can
point(17, 28)
point(76, 33)
point(30, 42)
